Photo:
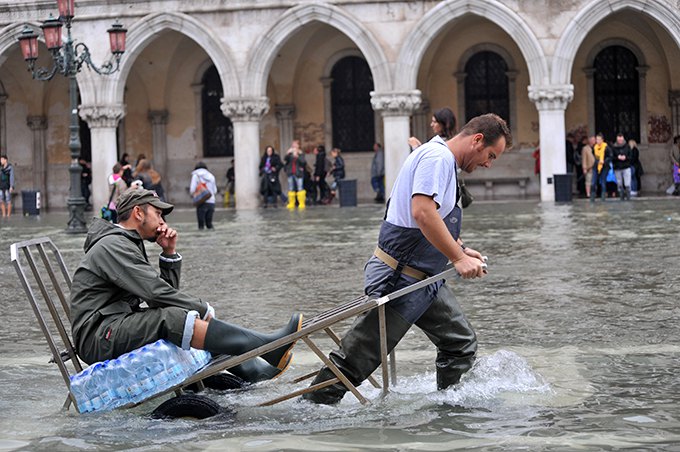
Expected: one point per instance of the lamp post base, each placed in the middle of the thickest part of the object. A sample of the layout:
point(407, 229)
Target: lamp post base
point(76, 222)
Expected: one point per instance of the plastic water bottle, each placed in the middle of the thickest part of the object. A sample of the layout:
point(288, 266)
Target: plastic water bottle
point(135, 376)
point(78, 390)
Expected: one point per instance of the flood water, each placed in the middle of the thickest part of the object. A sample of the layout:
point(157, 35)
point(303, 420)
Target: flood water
point(578, 325)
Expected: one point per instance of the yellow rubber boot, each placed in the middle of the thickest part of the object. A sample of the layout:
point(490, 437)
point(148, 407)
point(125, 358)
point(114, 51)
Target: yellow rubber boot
point(291, 200)
point(301, 197)
point(226, 199)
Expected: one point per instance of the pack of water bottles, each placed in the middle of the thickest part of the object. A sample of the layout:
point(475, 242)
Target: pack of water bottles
point(135, 376)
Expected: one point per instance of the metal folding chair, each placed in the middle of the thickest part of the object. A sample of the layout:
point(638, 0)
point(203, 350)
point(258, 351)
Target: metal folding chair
point(44, 277)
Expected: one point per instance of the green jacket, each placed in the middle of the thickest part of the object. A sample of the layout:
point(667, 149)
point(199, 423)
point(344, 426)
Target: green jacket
point(115, 276)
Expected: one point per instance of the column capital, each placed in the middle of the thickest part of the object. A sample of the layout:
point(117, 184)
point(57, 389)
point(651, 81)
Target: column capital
point(38, 122)
point(396, 103)
point(102, 116)
point(245, 108)
point(642, 71)
point(326, 81)
point(158, 117)
point(551, 97)
point(284, 111)
point(674, 97)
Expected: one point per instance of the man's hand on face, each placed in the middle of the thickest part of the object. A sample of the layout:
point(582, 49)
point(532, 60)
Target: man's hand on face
point(167, 239)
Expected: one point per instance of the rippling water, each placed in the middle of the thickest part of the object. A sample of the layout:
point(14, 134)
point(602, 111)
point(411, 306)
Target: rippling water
point(578, 324)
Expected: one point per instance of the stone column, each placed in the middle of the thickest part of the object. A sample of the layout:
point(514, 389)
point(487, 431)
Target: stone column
point(551, 102)
point(327, 112)
point(197, 88)
point(284, 116)
point(512, 103)
point(421, 121)
point(38, 126)
point(642, 86)
point(3, 123)
point(159, 146)
point(103, 120)
point(245, 114)
point(460, 90)
point(396, 109)
point(674, 102)
point(590, 96)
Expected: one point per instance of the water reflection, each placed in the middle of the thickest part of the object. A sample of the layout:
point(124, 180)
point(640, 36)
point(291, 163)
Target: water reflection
point(577, 322)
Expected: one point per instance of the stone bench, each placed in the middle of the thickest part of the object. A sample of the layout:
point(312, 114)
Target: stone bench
point(491, 182)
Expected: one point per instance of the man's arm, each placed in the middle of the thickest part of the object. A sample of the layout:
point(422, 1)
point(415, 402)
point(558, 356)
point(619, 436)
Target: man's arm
point(424, 211)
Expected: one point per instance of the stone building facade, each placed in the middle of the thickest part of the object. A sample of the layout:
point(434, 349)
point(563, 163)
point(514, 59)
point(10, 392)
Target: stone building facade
point(214, 80)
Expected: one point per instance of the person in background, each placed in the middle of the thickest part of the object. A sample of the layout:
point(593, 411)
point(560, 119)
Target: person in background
point(6, 186)
point(117, 186)
point(601, 167)
point(229, 198)
point(443, 124)
point(378, 173)
point(295, 170)
point(85, 181)
point(204, 211)
point(636, 168)
point(321, 168)
point(127, 168)
point(621, 161)
point(675, 160)
point(142, 173)
point(338, 172)
point(587, 163)
point(270, 187)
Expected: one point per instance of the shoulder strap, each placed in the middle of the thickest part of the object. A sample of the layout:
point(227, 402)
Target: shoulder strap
point(113, 190)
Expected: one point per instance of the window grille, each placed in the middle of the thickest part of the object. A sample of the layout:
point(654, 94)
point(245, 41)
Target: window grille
point(617, 93)
point(486, 86)
point(218, 131)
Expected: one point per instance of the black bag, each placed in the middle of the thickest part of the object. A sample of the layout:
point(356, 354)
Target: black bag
point(466, 197)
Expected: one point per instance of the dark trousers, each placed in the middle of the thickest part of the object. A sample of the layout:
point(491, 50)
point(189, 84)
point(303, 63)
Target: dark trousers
point(204, 215)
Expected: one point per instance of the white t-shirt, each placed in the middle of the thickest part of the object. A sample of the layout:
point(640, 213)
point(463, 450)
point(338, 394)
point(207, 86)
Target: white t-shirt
point(430, 170)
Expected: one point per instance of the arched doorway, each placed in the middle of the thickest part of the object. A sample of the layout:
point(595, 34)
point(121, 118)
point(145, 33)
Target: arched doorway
point(351, 110)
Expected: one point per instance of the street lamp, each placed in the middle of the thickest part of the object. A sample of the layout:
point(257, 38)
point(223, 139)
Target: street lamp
point(69, 58)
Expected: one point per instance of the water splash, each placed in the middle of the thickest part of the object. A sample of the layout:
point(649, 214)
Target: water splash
point(498, 377)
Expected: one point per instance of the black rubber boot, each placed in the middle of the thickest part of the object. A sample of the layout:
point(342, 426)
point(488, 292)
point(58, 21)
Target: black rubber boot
point(359, 353)
point(445, 325)
point(255, 370)
point(224, 338)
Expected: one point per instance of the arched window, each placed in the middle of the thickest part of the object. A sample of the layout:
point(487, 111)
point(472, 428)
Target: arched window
point(486, 86)
point(617, 93)
point(218, 131)
point(353, 123)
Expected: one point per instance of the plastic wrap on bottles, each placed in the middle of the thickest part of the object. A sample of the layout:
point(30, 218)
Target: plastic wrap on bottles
point(135, 376)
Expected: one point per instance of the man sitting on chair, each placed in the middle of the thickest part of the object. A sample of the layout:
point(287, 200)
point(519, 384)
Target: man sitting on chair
point(119, 302)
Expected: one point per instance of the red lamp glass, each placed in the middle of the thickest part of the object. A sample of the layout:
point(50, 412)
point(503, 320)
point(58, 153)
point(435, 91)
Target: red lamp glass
point(117, 38)
point(52, 30)
point(28, 40)
point(66, 8)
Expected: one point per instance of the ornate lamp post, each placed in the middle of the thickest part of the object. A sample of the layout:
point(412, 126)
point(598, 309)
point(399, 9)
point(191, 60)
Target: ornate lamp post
point(69, 58)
